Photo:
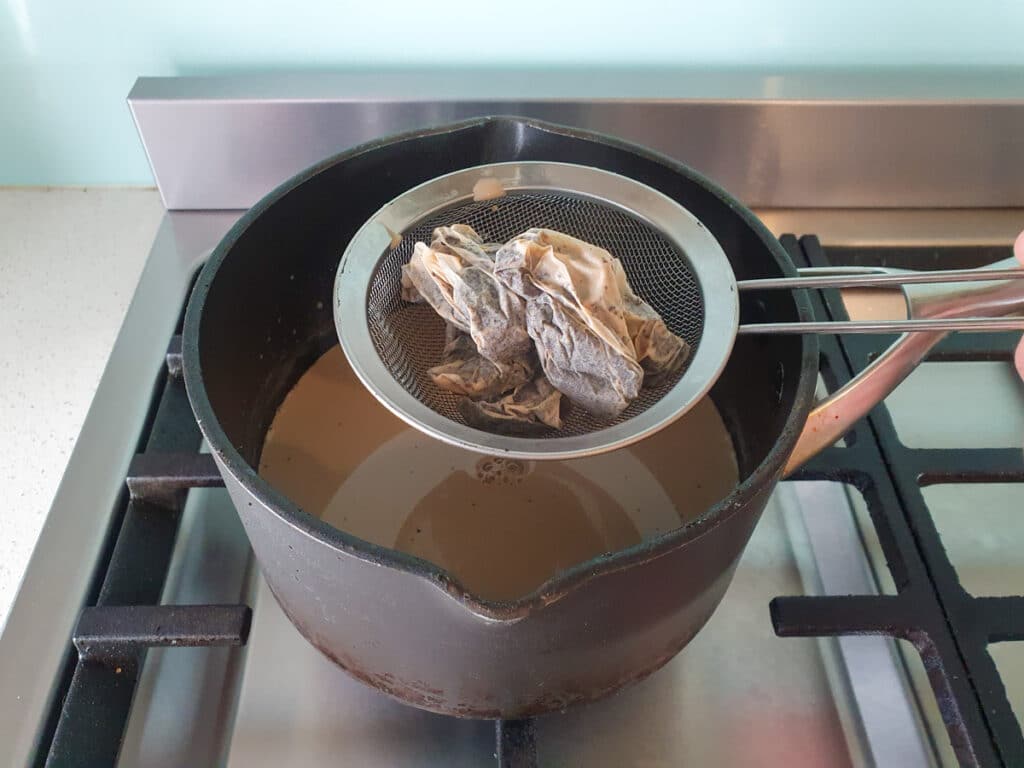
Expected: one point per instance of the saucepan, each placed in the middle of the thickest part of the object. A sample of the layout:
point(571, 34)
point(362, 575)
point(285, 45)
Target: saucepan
point(261, 314)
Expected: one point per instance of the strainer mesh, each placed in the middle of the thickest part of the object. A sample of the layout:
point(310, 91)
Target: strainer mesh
point(409, 338)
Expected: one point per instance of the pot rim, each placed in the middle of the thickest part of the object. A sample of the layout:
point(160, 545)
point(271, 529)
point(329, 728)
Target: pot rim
point(561, 584)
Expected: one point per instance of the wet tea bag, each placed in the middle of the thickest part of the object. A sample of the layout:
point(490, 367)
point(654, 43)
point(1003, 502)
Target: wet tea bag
point(464, 371)
point(595, 337)
point(455, 275)
point(658, 350)
point(530, 408)
point(575, 317)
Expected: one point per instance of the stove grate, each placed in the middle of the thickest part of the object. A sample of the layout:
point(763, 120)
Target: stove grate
point(949, 628)
point(112, 635)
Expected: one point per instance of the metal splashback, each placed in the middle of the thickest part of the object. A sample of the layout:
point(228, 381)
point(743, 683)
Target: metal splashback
point(910, 140)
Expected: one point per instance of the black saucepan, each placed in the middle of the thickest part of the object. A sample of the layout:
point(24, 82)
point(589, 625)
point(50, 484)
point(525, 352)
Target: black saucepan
point(261, 314)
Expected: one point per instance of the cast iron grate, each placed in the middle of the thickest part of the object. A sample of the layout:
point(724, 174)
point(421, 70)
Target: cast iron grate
point(114, 632)
point(949, 627)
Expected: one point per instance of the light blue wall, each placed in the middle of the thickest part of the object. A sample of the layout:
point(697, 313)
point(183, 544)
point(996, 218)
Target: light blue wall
point(66, 67)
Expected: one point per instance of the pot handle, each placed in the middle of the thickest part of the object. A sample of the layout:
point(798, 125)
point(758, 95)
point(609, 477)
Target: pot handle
point(835, 416)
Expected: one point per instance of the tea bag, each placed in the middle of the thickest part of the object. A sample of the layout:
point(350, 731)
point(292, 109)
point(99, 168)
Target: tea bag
point(459, 240)
point(455, 275)
point(462, 240)
point(576, 317)
point(582, 366)
point(410, 292)
point(464, 371)
point(658, 350)
point(530, 408)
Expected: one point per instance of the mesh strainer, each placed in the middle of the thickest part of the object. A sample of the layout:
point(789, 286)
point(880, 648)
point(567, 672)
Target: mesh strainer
point(670, 258)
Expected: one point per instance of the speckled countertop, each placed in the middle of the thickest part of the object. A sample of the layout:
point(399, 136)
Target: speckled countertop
point(69, 262)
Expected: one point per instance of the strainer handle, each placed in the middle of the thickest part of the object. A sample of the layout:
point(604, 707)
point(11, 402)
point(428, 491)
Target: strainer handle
point(873, 277)
point(911, 281)
point(833, 417)
point(973, 324)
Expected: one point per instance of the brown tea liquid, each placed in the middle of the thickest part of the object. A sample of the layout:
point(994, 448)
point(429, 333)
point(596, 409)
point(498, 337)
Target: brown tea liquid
point(501, 526)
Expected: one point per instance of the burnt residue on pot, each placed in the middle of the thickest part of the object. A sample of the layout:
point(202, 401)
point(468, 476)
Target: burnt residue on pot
point(416, 693)
point(484, 702)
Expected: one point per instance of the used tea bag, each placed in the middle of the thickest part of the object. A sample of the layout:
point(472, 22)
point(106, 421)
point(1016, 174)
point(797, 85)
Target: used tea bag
point(458, 240)
point(410, 292)
point(455, 275)
point(462, 240)
point(595, 337)
point(464, 371)
point(546, 299)
point(590, 372)
point(531, 408)
point(658, 350)
point(576, 317)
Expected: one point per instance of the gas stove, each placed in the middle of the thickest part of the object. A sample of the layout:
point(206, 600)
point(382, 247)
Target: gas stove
point(869, 622)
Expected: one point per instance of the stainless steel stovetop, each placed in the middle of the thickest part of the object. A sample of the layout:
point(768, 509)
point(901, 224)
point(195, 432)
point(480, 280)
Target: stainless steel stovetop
point(737, 695)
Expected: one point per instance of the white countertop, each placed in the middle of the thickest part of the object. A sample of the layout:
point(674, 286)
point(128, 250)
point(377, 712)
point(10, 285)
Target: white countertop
point(69, 262)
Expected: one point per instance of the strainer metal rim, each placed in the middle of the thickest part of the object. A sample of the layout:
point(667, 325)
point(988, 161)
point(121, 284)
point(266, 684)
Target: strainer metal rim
point(708, 262)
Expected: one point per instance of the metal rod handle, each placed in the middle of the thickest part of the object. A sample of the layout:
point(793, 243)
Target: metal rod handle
point(976, 324)
point(826, 278)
